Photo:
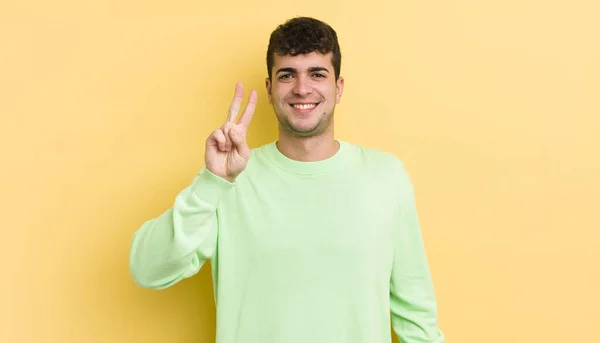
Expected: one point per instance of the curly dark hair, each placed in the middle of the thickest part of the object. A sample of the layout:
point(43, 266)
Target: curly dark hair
point(303, 35)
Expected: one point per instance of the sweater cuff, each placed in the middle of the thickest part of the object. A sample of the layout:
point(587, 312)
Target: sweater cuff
point(210, 188)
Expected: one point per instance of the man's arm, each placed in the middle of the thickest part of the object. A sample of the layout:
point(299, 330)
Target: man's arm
point(176, 244)
point(413, 300)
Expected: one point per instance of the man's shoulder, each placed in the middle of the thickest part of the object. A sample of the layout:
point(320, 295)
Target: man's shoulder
point(262, 152)
point(379, 157)
point(262, 146)
point(387, 167)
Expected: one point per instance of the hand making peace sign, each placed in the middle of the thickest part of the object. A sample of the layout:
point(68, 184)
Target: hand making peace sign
point(227, 152)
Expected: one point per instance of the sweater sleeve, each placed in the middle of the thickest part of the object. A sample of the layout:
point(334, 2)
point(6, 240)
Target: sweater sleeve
point(175, 245)
point(412, 297)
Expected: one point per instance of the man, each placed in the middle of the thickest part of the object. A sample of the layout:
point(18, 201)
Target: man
point(311, 239)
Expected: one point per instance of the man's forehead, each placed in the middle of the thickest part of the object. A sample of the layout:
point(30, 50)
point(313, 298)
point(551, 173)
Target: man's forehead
point(303, 61)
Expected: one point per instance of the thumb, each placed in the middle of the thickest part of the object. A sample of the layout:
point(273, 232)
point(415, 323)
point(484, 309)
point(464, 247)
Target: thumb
point(238, 137)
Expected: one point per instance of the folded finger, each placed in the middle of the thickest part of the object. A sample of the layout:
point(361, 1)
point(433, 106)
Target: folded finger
point(219, 137)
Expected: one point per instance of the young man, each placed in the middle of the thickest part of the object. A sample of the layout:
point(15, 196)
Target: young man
point(311, 239)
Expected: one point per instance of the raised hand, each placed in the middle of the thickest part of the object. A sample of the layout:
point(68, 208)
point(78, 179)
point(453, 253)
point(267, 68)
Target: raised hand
point(227, 152)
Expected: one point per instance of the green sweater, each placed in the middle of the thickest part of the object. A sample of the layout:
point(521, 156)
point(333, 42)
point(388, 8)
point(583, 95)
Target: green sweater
point(301, 252)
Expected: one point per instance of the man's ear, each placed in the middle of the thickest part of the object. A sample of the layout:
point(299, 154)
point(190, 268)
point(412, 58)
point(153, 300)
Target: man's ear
point(339, 89)
point(268, 87)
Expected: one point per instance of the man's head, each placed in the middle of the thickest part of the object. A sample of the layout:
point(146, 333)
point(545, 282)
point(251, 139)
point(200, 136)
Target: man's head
point(301, 36)
point(304, 83)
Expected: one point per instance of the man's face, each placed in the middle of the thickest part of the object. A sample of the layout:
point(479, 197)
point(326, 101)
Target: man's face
point(303, 92)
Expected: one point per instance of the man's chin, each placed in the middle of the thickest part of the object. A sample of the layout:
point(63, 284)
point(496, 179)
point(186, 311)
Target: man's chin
point(304, 131)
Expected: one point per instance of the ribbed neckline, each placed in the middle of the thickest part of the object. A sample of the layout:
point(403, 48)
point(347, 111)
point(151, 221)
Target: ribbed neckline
point(332, 164)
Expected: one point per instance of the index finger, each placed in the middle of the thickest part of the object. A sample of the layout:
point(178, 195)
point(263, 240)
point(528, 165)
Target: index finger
point(249, 110)
point(234, 109)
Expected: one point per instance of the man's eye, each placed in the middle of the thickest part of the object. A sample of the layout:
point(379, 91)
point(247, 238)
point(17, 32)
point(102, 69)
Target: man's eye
point(319, 75)
point(285, 76)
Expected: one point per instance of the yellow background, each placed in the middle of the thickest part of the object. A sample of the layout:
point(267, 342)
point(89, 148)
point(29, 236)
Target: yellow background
point(493, 106)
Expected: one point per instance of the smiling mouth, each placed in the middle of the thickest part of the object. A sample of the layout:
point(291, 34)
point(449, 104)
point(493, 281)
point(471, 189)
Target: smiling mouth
point(304, 106)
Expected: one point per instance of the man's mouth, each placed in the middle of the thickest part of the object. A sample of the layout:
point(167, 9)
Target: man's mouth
point(304, 107)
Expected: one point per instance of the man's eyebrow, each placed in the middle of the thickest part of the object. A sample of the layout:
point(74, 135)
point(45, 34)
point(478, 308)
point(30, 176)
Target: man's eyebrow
point(313, 69)
point(293, 70)
point(287, 70)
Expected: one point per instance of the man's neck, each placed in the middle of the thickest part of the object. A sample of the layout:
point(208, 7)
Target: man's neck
point(310, 149)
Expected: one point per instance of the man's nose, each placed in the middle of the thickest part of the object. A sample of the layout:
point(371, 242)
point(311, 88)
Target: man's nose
point(302, 87)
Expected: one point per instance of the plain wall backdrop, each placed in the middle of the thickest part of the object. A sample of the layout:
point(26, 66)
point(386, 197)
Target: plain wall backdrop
point(493, 107)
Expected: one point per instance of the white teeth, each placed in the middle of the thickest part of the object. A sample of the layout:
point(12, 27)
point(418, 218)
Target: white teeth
point(304, 106)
